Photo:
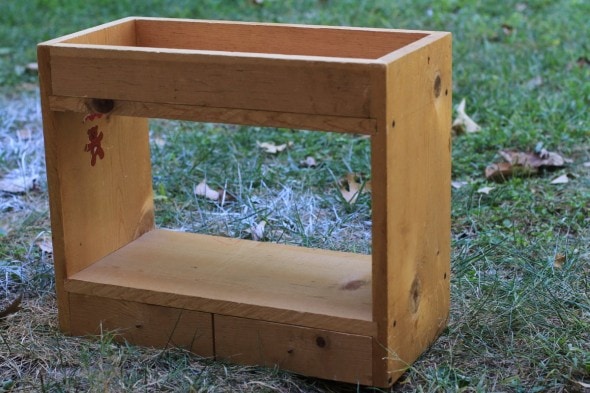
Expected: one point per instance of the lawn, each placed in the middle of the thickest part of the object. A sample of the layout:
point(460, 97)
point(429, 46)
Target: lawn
point(520, 314)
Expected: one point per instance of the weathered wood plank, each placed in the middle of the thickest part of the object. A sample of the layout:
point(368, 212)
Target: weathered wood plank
point(143, 324)
point(313, 352)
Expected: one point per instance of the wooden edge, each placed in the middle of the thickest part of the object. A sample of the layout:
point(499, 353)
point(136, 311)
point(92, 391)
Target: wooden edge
point(271, 314)
point(349, 125)
point(414, 46)
point(290, 25)
point(90, 30)
point(53, 179)
point(63, 48)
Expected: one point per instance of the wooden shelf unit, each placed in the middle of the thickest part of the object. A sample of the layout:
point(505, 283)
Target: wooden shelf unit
point(341, 316)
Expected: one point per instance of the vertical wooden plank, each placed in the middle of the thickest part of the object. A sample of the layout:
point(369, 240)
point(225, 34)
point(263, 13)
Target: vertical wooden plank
point(104, 181)
point(418, 199)
point(313, 352)
point(143, 324)
point(55, 205)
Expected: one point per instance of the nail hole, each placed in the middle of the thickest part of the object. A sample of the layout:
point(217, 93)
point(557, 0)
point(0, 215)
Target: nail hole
point(428, 59)
point(139, 326)
point(390, 380)
point(446, 92)
point(394, 323)
point(320, 341)
point(445, 276)
point(289, 351)
point(393, 123)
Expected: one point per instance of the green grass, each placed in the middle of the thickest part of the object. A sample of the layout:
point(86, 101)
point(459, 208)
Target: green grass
point(518, 323)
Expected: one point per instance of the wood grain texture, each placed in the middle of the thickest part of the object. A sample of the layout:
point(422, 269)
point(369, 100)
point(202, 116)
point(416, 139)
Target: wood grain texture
point(107, 205)
point(224, 115)
point(301, 40)
point(214, 79)
point(417, 191)
point(51, 143)
point(312, 352)
point(272, 282)
point(118, 32)
point(143, 324)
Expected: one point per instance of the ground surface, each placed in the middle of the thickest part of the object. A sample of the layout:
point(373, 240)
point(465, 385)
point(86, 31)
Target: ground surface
point(520, 317)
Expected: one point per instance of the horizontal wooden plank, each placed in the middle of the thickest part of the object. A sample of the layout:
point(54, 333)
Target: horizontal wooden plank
point(142, 324)
point(313, 352)
point(221, 115)
point(221, 80)
point(279, 283)
point(271, 38)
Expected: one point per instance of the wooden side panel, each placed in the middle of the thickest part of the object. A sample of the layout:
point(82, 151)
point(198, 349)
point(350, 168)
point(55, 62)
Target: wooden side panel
point(103, 183)
point(269, 38)
point(121, 32)
point(312, 352)
point(418, 192)
point(222, 81)
point(143, 324)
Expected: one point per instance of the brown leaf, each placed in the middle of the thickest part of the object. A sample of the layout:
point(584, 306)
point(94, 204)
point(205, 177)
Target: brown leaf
point(12, 307)
point(463, 123)
point(16, 182)
point(350, 188)
point(203, 190)
point(499, 172)
point(559, 260)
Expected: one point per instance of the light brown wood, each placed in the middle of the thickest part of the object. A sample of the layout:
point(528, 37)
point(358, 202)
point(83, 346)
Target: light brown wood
point(143, 324)
point(289, 284)
point(119, 32)
point(212, 79)
point(108, 204)
point(393, 85)
point(313, 352)
point(223, 115)
point(416, 188)
point(271, 38)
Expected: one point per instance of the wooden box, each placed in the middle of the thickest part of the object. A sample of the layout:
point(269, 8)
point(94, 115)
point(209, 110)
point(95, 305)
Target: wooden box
point(342, 316)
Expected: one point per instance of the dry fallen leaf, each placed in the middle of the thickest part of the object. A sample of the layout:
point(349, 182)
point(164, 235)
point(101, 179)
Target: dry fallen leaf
point(563, 179)
point(463, 123)
point(559, 260)
point(16, 182)
point(458, 184)
point(350, 188)
point(534, 82)
point(24, 134)
point(12, 307)
point(523, 163)
point(309, 162)
point(271, 148)
point(257, 231)
point(485, 190)
point(586, 164)
point(45, 244)
point(203, 190)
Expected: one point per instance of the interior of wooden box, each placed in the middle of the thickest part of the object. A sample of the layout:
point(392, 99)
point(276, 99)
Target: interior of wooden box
point(288, 284)
point(251, 38)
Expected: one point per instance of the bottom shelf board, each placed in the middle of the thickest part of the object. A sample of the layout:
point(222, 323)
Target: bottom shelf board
point(278, 283)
